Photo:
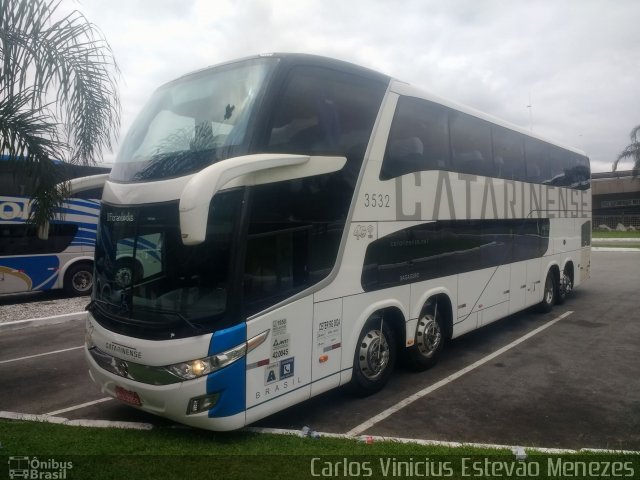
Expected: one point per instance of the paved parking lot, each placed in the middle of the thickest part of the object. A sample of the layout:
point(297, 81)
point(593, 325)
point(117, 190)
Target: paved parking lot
point(574, 384)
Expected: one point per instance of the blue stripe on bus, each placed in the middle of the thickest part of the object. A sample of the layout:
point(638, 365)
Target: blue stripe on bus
point(86, 234)
point(230, 381)
point(87, 242)
point(35, 271)
point(73, 211)
point(86, 226)
point(82, 202)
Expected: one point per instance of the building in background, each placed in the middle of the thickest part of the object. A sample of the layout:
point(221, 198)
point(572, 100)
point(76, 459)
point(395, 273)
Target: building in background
point(616, 199)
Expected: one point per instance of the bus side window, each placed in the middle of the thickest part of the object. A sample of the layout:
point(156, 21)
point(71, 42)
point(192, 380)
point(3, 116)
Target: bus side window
point(418, 139)
point(471, 145)
point(537, 160)
point(508, 151)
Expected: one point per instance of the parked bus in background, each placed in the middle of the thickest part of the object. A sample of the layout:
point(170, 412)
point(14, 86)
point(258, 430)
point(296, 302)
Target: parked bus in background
point(64, 259)
point(313, 221)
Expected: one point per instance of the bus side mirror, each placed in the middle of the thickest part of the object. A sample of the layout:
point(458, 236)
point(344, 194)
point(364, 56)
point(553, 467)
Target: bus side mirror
point(75, 185)
point(87, 183)
point(242, 171)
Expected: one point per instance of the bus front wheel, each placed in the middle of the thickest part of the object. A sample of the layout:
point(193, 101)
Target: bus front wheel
point(374, 358)
point(79, 279)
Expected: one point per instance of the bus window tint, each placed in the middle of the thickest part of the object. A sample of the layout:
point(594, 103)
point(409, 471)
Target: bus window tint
point(536, 154)
point(324, 112)
point(508, 154)
point(418, 139)
point(471, 145)
point(560, 166)
point(22, 239)
point(289, 247)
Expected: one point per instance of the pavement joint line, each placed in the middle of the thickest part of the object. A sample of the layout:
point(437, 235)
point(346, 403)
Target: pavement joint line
point(52, 320)
point(359, 429)
point(40, 355)
point(77, 407)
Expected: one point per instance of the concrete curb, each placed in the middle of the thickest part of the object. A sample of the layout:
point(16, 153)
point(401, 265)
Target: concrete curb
point(75, 423)
point(37, 322)
point(298, 433)
point(614, 249)
point(375, 438)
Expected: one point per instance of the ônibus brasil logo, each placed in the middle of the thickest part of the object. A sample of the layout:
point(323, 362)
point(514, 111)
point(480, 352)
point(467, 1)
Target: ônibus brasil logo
point(33, 468)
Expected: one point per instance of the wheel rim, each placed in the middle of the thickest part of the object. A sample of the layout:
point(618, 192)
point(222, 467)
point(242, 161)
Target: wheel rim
point(123, 277)
point(428, 336)
point(373, 355)
point(548, 290)
point(567, 284)
point(82, 281)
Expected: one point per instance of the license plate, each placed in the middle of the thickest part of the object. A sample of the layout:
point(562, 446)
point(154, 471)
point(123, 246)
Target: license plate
point(127, 396)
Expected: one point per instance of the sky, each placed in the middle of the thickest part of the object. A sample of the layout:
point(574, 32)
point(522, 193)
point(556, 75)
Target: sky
point(568, 70)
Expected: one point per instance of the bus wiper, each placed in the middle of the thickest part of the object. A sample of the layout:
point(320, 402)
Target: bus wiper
point(98, 303)
point(196, 328)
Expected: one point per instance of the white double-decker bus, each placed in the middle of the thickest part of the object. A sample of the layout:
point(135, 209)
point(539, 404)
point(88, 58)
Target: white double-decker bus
point(311, 221)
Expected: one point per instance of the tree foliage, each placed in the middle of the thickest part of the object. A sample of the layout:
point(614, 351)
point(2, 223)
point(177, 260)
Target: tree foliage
point(631, 152)
point(58, 95)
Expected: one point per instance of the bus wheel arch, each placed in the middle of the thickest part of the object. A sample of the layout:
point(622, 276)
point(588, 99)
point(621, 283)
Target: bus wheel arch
point(434, 328)
point(78, 278)
point(376, 351)
point(565, 282)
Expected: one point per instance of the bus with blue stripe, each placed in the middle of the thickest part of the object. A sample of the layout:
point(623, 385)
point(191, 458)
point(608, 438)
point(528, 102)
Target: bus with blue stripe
point(62, 259)
point(282, 225)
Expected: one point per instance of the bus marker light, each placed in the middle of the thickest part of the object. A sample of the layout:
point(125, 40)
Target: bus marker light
point(202, 403)
point(324, 358)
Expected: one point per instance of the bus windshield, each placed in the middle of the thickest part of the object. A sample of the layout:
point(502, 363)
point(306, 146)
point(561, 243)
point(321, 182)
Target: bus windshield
point(193, 122)
point(145, 272)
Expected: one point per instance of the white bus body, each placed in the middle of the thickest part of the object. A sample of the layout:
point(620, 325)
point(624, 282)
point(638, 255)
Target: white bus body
point(341, 220)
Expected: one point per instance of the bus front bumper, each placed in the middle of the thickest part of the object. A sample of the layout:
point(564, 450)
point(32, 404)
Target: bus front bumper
point(173, 401)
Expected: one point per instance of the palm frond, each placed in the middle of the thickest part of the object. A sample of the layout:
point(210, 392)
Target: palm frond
point(631, 152)
point(69, 57)
point(58, 95)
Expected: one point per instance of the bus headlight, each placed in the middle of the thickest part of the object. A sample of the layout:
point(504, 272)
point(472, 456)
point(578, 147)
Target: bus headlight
point(203, 366)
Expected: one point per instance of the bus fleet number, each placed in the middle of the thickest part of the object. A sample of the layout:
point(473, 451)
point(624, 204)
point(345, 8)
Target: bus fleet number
point(376, 200)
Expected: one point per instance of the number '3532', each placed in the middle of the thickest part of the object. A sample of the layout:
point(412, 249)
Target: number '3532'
point(376, 200)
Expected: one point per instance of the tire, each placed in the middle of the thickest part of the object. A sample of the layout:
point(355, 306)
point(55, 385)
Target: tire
point(374, 358)
point(550, 293)
point(565, 288)
point(78, 280)
point(429, 341)
point(127, 270)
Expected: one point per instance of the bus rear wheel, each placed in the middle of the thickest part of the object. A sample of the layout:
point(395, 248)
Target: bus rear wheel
point(79, 279)
point(429, 341)
point(374, 358)
point(565, 287)
point(549, 295)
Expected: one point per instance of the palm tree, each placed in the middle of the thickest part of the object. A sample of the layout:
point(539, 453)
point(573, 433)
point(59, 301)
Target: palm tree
point(58, 96)
point(631, 151)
